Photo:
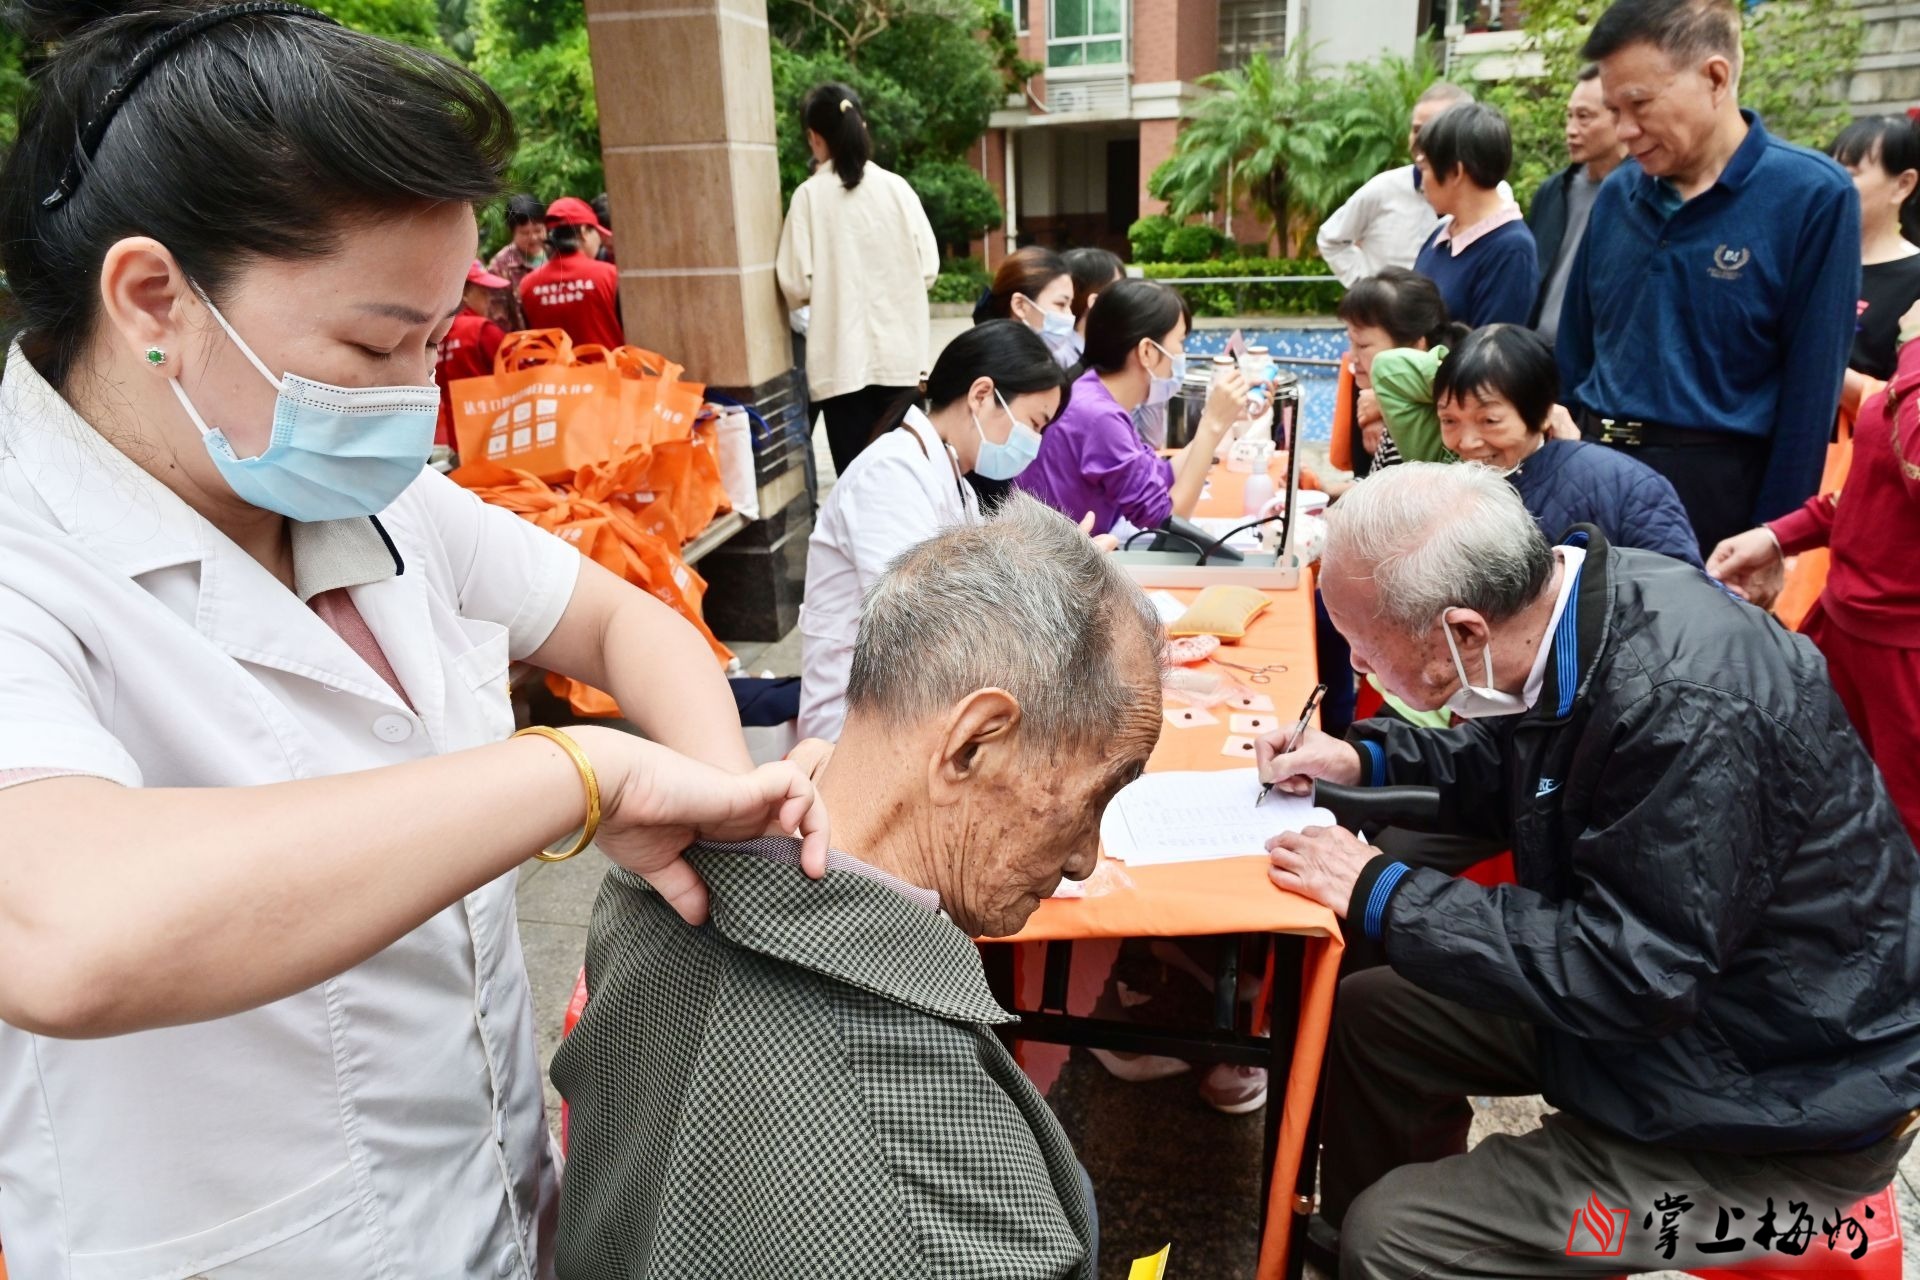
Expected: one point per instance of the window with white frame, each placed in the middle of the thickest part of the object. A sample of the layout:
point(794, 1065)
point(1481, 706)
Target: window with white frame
point(1086, 33)
point(1017, 10)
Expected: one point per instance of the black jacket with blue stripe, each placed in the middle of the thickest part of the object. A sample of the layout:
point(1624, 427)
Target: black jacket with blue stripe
point(1716, 925)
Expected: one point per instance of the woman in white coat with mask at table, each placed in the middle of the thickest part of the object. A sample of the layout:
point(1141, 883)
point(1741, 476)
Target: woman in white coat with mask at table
point(263, 1010)
point(991, 394)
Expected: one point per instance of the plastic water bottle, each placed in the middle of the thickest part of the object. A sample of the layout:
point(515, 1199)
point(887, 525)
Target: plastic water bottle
point(1259, 492)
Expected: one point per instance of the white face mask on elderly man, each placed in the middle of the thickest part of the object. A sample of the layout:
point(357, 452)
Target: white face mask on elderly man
point(1475, 701)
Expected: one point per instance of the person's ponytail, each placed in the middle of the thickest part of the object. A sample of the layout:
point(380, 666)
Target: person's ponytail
point(896, 411)
point(833, 111)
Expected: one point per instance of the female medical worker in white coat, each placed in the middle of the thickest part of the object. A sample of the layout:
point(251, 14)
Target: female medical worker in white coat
point(262, 1004)
point(992, 392)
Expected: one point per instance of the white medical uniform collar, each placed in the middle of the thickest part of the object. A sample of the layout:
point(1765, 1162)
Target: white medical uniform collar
point(130, 520)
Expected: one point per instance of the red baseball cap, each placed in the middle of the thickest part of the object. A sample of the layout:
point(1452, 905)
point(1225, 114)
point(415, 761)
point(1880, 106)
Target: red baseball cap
point(572, 211)
point(477, 274)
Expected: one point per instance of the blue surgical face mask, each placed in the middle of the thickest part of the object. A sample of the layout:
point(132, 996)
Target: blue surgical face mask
point(335, 453)
point(1067, 346)
point(1005, 459)
point(1162, 390)
point(1053, 324)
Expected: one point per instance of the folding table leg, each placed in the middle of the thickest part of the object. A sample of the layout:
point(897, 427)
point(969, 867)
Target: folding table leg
point(1226, 983)
point(1058, 975)
point(1283, 1022)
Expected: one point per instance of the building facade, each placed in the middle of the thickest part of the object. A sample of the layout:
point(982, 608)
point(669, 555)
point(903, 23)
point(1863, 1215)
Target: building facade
point(1070, 157)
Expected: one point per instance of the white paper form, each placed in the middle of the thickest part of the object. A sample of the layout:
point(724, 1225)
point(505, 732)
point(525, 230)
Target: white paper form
point(1198, 815)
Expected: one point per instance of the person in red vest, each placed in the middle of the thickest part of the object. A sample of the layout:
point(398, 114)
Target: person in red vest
point(574, 291)
point(467, 350)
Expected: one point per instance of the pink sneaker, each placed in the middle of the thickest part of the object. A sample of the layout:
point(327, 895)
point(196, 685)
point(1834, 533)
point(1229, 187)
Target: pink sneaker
point(1234, 1090)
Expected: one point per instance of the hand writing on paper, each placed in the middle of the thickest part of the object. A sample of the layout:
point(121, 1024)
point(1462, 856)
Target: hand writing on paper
point(1321, 863)
point(1317, 755)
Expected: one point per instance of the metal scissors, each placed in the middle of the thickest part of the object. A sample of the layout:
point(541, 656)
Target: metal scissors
point(1255, 675)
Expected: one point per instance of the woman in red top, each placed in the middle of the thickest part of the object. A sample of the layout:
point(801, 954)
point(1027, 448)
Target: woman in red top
point(1867, 621)
point(574, 291)
point(467, 350)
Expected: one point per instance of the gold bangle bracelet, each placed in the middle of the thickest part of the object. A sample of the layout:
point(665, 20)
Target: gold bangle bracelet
point(588, 778)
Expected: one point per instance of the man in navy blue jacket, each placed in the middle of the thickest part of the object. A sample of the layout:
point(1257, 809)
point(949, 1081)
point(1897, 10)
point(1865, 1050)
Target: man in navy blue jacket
point(1710, 311)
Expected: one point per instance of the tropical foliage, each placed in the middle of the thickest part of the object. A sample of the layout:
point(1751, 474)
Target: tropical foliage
point(1260, 134)
point(1291, 141)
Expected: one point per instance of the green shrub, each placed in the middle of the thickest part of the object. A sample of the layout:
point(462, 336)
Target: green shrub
point(958, 285)
point(959, 203)
point(1148, 236)
point(1197, 243)
point(1277, 299)
point(966, 267)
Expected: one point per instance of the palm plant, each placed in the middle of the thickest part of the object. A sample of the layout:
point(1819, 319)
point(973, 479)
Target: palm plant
point(1262, 130)
point(1372, 117)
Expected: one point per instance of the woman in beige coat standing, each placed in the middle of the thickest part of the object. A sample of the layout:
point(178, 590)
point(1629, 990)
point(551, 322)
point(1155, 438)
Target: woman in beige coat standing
point(858, 250)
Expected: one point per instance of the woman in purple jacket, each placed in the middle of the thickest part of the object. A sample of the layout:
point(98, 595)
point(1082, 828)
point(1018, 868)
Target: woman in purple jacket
point(1092, 461)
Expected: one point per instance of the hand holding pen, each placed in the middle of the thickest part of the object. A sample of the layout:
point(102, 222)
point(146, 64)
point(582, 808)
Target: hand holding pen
point(1292, 742)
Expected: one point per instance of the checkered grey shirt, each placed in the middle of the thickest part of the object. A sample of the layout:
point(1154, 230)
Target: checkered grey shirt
point(807, 1086)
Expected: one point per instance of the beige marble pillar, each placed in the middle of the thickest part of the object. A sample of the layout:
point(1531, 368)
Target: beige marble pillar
point(687, 128)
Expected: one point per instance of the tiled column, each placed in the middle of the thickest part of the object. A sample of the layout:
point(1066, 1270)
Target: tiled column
point(685, 90)
point(686, 125)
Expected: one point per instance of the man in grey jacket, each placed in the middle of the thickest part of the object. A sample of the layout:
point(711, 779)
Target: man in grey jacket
point(809, 1084)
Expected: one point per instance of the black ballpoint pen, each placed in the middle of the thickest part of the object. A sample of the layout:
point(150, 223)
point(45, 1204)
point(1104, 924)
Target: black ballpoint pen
point(1293, 739)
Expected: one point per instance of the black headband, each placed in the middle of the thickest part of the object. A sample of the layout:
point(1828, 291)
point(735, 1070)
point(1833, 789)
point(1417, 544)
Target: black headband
point(144, 61)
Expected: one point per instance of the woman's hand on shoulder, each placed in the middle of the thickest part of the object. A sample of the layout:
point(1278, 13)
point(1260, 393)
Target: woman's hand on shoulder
point(655, 803)
point(1751, 566)
point(1560, 424)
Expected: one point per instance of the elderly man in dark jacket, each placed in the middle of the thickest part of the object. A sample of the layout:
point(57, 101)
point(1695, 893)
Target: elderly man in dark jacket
point(1710, 964)
point(1558, 217)
point(810, 1084)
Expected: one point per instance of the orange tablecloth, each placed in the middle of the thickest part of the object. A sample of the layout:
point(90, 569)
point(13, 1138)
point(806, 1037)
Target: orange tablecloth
point(1233, 895)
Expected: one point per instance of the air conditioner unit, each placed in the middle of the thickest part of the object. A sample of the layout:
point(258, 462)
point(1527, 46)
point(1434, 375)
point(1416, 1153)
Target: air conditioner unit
point(1109, 95)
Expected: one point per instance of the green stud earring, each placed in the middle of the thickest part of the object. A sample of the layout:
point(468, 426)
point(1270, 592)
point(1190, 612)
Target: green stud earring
point(156, 357)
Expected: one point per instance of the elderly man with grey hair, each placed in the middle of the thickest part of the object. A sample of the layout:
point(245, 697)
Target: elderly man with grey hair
point(810, 1085)
point(1710, 963)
